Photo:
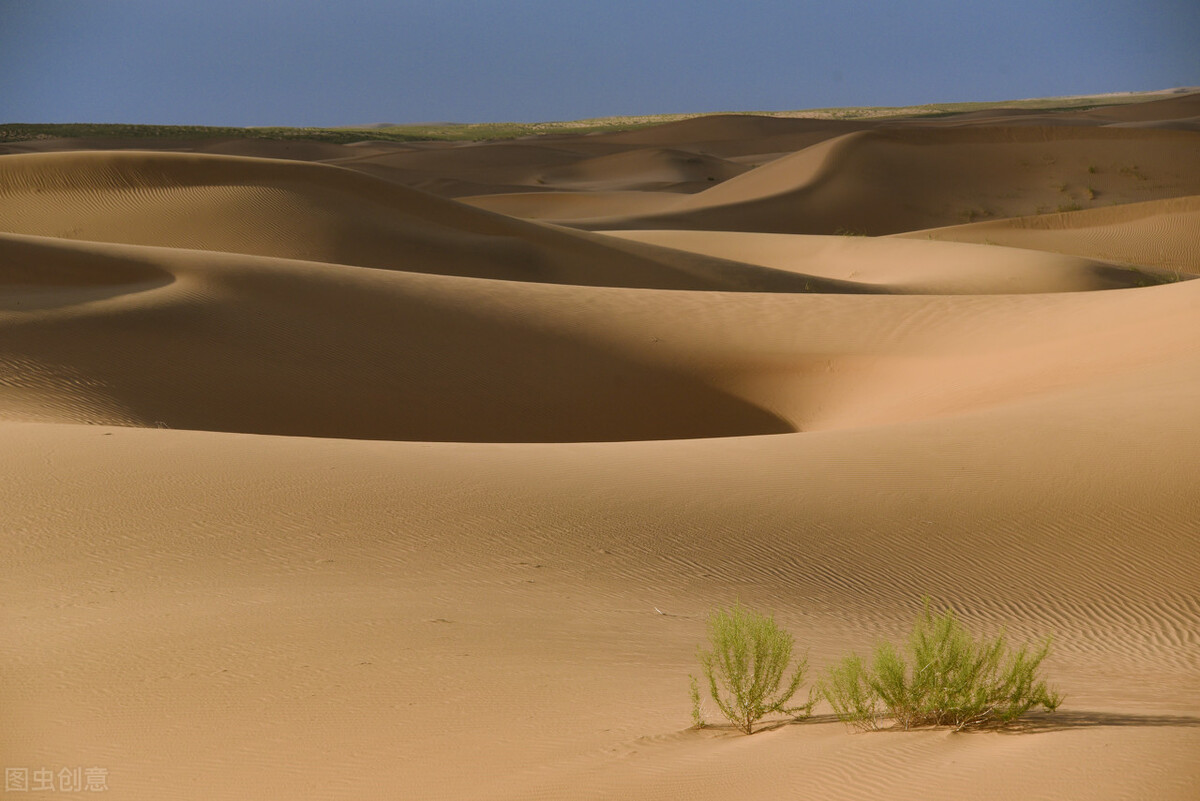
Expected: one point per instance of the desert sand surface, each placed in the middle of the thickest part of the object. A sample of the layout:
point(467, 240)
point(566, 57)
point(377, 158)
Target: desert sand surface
point(413, 470)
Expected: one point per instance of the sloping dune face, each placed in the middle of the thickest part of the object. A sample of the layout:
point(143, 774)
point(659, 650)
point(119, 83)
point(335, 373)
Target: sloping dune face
point(298, 211)
point(1163, 234)
point(274, 346)
point(317, 484)
point(887, 181)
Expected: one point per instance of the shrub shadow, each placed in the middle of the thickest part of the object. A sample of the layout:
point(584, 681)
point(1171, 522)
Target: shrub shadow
point(1062, 720)
point(1032, 723)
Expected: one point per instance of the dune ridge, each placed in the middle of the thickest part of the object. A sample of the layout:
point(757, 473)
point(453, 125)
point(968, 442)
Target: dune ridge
point(313, 212)
point(413, 469)
point(1163, 234)
point(890, 180)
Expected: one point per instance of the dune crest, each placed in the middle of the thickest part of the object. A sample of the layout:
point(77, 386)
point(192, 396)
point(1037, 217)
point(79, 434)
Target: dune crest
point(1162, 234)
point(313, 212)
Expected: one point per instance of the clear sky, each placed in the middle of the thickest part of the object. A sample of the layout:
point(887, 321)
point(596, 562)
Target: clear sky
point(303, 62)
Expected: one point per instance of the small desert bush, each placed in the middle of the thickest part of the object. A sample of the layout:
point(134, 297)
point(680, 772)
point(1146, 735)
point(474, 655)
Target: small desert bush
point(745, 668)
point(697, 705)
point(944, 677)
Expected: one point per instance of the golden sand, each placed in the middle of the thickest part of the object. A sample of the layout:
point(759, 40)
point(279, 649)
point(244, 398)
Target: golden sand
point(411, 471)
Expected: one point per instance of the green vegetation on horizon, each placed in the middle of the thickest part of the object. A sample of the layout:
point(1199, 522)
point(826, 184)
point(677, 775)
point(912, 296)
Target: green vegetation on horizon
point(449, 132)
point(454, 132)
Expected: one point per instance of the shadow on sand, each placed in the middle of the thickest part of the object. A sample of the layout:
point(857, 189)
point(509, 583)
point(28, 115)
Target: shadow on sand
point(1038, 722)
point(1032, 723)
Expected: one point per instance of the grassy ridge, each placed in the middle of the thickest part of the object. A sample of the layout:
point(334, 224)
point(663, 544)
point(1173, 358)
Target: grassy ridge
point(20, 132)
point(452, 132)
point(449, 132)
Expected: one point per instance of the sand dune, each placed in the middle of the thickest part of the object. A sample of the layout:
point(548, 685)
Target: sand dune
point(925, 267)
point(650, 168)
point(901, 179)
point(312, 212)
point(728, 135)
point(1160, 233)
point(298, 150)
point(1168, 109)
point(274, 343)
point(498, 163)
point(1167, 112)
point(319, 485)
point(273, 346)
point(568, 207)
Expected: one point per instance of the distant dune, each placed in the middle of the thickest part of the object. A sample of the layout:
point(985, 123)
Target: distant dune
point(412, 469)
point(1157, 233)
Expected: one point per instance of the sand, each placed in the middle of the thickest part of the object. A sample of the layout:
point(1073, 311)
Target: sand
point(320, 482)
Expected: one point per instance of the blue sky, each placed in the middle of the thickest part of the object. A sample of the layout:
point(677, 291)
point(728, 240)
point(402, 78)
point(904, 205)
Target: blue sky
point(256, 62)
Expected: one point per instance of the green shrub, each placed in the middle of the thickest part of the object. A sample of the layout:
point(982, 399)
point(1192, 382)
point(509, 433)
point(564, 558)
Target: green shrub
point(745, 667)
point(945, 678)
point(697, 705)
